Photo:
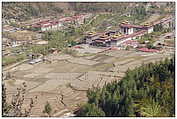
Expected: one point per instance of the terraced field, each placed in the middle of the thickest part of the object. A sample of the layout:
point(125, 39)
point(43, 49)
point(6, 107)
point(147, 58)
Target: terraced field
point(64, 81)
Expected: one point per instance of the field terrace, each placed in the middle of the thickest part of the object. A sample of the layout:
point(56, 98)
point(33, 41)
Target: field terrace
point(64, 81)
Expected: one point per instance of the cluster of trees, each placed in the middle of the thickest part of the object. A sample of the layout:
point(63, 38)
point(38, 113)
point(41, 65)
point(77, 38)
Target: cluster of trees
point(99, 7)
point(47, 109)
point(14, 108)
point(158, 27)
point(57, 39)
point(146, 91)
point(67, 37)
point(147, 38)
point(139, 12)
point(27, 10)
point(161, 29)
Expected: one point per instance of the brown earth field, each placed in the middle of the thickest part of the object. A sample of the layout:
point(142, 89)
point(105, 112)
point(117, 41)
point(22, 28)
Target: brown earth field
point(65, 81)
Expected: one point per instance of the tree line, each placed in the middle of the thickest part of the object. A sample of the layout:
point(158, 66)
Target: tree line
point(147, 91)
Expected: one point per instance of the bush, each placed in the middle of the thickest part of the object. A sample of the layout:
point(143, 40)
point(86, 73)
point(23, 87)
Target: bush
point(91, 110)
point(47, 109)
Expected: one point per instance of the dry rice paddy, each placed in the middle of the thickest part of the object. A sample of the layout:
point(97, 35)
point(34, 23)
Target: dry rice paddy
point(64, 82)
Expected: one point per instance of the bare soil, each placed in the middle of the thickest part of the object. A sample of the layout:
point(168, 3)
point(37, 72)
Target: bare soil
point(64, 81)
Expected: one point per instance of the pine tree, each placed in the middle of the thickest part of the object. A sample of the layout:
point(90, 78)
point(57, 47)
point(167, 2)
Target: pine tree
point(91, 110)
point(144, 91)
point(47, 109)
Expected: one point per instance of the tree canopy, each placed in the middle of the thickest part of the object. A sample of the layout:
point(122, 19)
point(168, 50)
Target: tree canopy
point(146, 91)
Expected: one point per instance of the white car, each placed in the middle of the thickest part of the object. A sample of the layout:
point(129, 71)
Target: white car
point(35, 61)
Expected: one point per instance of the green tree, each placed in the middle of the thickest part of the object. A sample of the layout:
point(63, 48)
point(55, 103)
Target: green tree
point(150, 108)
point(91, 110)
point(145, 91)
point(47, 109)
point(5, 106)
point(158, 27)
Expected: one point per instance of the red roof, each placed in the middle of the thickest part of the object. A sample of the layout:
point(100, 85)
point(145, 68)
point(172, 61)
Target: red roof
point(131, 42)
point(104, 38)
point(47, 25)
point(119, 38)
point(99, 41)
point(113, 48)
point(77, 47)
point(43, 22)
point(131, 26)
point(148, 50)
point(142, 32)
point(36, 25)
point(134, 26)
point(52, 22)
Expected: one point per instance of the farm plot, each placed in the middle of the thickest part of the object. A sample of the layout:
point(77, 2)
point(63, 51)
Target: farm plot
point(93, 79)
point(102, 67)
point(87, 49)
point(66, 76)
point(72, 99)
point(64, 83)
point(110, 60)
point(82, 61)
point(24, 67)
point(100, 57)
point(12, 85)
point(89, 57)
point(42, 98)
point(119, 53)
point(68, 67)
point(131, 64)
point(50, 85)
point(124, 61)
point(53, 57)
point(154, 58)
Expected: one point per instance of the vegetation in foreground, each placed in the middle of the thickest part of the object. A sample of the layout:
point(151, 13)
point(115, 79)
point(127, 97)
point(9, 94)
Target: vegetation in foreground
point(147, 91)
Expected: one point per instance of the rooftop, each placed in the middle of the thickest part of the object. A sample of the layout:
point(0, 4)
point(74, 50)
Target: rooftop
point(142, 32)
point(54, 22)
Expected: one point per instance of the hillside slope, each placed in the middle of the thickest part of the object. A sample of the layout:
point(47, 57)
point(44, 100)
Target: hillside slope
point(28, 10)
point(22, 11)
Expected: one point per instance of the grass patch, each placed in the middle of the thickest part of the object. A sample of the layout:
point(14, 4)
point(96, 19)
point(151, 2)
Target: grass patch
point(12, 59)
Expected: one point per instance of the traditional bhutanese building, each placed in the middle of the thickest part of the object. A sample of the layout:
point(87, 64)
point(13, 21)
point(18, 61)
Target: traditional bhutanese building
point(127, 28)
point(91, 37)
point(103, 40)
point(48, 25)
point(121, 38)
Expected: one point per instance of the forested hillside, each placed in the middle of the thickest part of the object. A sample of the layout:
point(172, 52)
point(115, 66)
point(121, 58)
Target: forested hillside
point(101, 7)
point(25, 10)
point(146, 91)
point(28, 10)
